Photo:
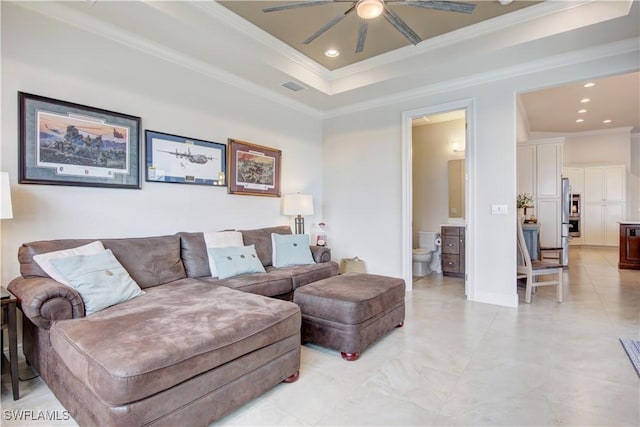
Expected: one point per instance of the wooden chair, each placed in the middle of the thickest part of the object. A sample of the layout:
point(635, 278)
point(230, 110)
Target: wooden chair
point(531, 269)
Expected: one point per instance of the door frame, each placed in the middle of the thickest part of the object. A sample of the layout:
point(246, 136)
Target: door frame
point(407, 188)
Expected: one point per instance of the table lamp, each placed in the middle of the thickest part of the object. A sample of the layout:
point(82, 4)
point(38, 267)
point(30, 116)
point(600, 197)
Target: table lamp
point(297, 205)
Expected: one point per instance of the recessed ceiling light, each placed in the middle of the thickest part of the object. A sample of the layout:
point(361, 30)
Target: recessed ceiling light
point(332, 53)
point(585, 100)
point(607, 121)
point(582, 111)
point(590, 84)
point(579, 120)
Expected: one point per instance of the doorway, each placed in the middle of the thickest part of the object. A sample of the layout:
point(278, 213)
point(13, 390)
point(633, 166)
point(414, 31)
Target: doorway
point(463, 149)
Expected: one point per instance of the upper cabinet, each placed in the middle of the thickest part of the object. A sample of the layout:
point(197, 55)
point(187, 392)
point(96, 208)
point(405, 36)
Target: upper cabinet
point(576, 179)
point(540, 168)
point(549, 170)
point(605, 184)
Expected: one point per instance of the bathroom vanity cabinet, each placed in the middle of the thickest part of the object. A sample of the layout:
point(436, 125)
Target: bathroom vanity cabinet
point(453, 250)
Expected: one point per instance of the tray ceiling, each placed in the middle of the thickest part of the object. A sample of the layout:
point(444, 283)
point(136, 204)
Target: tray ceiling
point(293, 26)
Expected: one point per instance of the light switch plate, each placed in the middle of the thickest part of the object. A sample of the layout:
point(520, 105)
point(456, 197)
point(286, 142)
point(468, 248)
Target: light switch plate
point(498, 209)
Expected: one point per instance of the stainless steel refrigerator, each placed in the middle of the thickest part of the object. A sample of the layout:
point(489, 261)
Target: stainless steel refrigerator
point(566, 213)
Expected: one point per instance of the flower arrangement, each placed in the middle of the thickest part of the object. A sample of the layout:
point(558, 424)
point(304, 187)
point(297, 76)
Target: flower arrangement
point(524, 200)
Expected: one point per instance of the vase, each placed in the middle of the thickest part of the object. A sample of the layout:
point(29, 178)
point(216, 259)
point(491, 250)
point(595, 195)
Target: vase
point(521, 215)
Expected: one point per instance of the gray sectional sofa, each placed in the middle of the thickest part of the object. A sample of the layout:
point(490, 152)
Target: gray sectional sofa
point(190, 350)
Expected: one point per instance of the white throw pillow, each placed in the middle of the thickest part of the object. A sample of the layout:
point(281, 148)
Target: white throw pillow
point(44, 260)
point(100, 280)
point(221, 239)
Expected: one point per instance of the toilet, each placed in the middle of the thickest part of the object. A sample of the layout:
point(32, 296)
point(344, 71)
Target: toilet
point(423, 256)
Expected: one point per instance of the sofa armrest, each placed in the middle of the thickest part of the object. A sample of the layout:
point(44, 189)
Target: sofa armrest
point(43, 300)
point(320, 253)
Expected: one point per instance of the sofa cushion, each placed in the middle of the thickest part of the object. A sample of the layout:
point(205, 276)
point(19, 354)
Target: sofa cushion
point(172, 333)
point(235, 261)
point(99, 278)
point(304, 274)
point(271, 284)
point(194, 254)
point(150, 261)
point(261, 238)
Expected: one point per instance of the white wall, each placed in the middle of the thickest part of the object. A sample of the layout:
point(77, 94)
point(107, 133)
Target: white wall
point(363, 175)
point(634, 178)
point(44, 57)
point(432, 150)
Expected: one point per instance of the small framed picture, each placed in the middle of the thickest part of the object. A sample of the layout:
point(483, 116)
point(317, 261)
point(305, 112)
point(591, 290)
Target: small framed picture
point(63, 143)
point(178, 159)
point(253, 169)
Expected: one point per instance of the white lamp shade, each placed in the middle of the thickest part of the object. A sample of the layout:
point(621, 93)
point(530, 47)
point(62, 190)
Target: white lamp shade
point(6, 209)
point(297, 204)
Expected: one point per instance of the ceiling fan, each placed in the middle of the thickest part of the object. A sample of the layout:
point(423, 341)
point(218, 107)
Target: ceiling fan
point(369, 9)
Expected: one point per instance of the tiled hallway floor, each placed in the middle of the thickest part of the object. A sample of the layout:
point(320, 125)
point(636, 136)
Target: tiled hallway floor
point(463, 363)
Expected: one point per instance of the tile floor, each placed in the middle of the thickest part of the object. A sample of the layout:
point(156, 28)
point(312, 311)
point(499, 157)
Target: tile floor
point(462, 363)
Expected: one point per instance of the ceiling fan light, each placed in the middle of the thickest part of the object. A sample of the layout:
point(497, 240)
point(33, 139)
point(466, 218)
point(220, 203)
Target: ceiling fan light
point(369, 9)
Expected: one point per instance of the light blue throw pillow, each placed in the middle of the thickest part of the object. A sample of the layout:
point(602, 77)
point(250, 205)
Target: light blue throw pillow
point(236, 260)
point(291, 249)
point(100, 279)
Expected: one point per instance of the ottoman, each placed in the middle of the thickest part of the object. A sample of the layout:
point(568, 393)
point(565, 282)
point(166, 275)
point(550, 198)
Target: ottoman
point(350, 311)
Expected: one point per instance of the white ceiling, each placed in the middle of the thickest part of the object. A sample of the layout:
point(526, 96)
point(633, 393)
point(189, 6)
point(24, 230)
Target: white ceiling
point(210, 39)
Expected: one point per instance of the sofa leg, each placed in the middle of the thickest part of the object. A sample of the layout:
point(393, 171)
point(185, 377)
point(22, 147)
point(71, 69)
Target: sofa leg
point(350, 357)
point(292, 379)
point(400, 325)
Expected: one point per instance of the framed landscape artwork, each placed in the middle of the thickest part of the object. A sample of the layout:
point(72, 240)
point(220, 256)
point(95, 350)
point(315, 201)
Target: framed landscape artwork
point(178, 159)
point(254, 169)
point(63, 143)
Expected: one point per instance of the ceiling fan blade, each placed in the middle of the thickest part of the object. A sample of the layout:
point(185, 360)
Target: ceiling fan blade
point(296, 5)
point(401, 26)
point(328, 25)
point(362, 36)
point(447, 6)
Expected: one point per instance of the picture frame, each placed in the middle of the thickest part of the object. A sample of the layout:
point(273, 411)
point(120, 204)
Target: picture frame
point(64, 143)
point(183, 160)
point(253, 169)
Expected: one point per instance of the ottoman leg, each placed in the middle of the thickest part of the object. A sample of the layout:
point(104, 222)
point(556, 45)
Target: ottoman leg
point(292, 379)
point(400, 325)
point(350, 357)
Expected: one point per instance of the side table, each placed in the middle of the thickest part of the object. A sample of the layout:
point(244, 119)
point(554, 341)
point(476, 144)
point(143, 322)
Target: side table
point(9, 302)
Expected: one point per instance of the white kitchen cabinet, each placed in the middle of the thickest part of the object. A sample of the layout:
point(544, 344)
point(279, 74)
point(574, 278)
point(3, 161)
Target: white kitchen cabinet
point(605, 184)
point(600, 223)
point(540, 174)
point(549, 170)
point(526, 164)
point(604, 203)
point(576, 179)
point(550, 222)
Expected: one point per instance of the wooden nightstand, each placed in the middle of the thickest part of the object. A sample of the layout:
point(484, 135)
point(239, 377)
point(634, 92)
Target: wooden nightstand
point(9, 321)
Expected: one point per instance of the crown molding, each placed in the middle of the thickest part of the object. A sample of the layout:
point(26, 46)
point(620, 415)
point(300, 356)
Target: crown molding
point(597, 132)
point(92, 25)
point(561, 60)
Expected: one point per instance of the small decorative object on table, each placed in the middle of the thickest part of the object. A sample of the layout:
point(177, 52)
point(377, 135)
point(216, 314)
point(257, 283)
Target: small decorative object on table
point(321, 235)
point(523, 201)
